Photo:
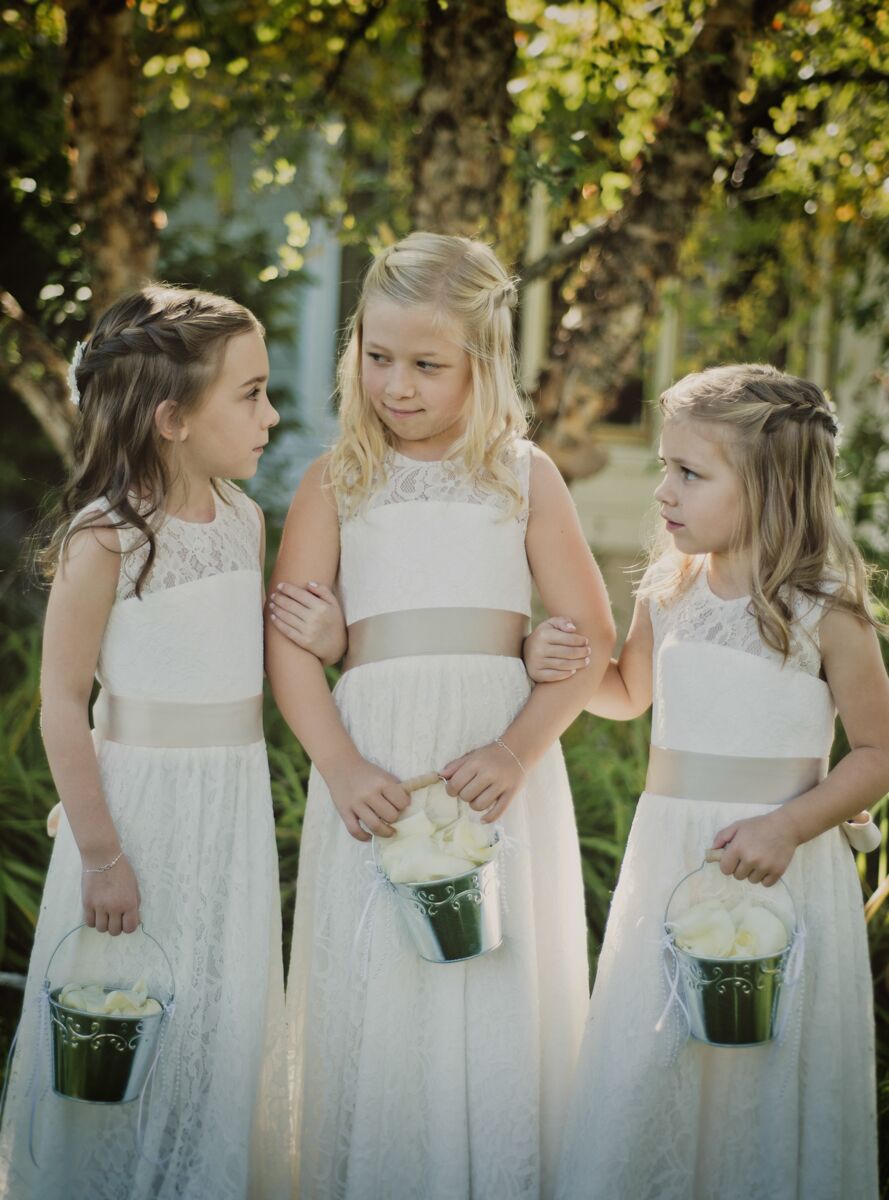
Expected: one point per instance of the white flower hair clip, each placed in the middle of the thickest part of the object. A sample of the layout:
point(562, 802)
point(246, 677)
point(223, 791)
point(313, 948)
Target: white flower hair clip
point(72, 373)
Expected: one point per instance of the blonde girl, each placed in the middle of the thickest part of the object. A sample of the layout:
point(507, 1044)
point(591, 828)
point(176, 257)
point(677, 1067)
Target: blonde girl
point(752, 629)
point(167, 814)
point(431, 515)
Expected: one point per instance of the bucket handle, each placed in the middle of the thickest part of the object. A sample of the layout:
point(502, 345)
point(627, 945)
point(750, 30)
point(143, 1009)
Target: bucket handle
point(713, 856)
point(145, 932)
point(417, 782)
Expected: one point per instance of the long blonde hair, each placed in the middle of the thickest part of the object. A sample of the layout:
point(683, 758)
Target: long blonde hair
point(160, 343)
point(468, 291)
point(780, 436)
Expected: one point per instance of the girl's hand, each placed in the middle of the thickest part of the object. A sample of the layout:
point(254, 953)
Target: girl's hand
point(368, 799)
point(555, 650)
point(311, 617)
point(111, 899)
point(758, 849)
point(487, 779)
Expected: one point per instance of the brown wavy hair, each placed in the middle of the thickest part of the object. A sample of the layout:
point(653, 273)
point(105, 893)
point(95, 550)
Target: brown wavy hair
point(780, 434)
point(160, 343)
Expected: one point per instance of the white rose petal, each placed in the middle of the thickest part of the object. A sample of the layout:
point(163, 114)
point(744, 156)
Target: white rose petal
point(706, 930)
point(416, 861)
point(715, 929)
point(93, 998)
point(416, 824)
point(437, 804)
point(473, 840)
point(762, 931)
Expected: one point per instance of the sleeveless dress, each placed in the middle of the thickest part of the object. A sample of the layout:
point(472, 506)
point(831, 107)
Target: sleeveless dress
point(197, 826)
point(788, 1120)
point(415, 1079)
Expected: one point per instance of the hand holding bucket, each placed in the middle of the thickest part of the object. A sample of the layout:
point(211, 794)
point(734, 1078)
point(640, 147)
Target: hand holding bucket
point(455, 918)
point(104, 1058)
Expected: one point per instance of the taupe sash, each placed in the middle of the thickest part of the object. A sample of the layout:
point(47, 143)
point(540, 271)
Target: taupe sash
point(731, 779)
point(435, 631)
point(162, 723)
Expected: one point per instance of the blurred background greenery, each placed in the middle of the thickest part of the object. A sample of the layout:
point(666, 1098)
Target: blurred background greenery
point(677, 183)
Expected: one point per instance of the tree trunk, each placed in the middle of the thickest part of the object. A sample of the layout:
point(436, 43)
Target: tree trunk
point(596, 347)
point(114, 199)
point(37, 373)
point(115, 196)
point(462, 111)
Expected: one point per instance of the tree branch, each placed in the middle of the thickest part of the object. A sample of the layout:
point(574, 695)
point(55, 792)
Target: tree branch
point(598, 352)
point(331, 78)
point(39, 376)
point(115, 196)
point(563, 253)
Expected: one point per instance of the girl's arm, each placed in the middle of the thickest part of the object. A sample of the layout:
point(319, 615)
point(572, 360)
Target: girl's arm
point(79, 603)
point(366, 797)
point(311, 617)
point(761, 848)
point(555, 651)
point(568, 580)
point(625, 690)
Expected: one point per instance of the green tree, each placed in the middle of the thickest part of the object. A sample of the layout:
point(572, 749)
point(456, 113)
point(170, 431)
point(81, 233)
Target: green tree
point(659, 131)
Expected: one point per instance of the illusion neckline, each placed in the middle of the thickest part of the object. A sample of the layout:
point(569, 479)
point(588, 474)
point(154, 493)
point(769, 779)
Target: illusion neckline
point(705, 574)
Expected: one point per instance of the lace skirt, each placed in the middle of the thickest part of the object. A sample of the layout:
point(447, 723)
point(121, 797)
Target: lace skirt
point(415, 1079)
point(198, 828)
point(656, 1117)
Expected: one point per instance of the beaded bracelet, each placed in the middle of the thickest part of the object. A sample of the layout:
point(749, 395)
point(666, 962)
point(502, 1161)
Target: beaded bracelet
point(503, 746)
point(107, 867)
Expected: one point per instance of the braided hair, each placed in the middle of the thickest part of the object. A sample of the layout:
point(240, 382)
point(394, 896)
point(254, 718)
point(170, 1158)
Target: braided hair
point(780, 434)
point(160, 343)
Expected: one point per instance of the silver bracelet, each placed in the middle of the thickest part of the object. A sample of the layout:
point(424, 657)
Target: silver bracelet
point(107, 867)
point(503, 746)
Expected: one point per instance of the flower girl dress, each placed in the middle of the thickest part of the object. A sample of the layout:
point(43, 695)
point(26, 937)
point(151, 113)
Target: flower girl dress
point(184, 771)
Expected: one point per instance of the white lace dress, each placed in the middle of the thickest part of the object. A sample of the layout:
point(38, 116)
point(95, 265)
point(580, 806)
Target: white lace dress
point(197, 825)
point(788, 1121)
point(413, 1079)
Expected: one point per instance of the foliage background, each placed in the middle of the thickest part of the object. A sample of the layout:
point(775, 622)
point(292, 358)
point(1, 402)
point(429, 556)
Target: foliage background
point(750, 166)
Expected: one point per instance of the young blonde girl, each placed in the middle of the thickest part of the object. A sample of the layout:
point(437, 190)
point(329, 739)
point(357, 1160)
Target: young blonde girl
point(749, 633)
point(157, 592)
point(431, 514)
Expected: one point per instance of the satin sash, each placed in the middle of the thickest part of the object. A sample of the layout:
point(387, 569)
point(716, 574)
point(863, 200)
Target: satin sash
point(731, 779)
point(163, 723)
point(417, 631)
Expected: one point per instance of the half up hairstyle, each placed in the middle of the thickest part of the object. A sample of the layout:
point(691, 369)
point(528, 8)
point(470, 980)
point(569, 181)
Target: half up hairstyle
point(779, 433)
point(160, 343)
point(471, 296)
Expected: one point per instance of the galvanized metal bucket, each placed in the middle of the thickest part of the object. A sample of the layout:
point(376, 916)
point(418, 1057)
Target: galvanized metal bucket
point(452, 920)
point(98, 1058)
point(732, 1001)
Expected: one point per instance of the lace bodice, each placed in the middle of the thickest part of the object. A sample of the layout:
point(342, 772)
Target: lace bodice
point(717, 688)
point(186, 550)
point(698, 615)
point(195, 634)
point(407, 480)
point(432, 537)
